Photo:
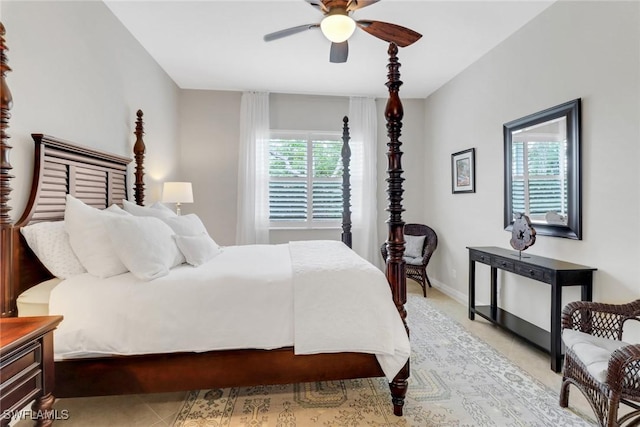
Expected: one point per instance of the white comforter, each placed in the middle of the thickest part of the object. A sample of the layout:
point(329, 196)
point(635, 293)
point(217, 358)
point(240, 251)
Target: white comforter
point(317, 296)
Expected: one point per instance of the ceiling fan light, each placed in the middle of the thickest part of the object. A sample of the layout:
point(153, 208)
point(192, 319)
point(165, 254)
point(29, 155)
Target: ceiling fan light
point(337, 28)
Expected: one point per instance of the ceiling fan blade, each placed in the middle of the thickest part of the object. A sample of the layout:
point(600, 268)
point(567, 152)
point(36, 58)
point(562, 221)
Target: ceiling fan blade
point(289, 31)
point(339, 52)
point(391, 33)
point(318, 4)
point(359, 4)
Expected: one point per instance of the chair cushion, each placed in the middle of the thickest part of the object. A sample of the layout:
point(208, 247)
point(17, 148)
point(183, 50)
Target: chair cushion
point(594, 352)
point(413, 261)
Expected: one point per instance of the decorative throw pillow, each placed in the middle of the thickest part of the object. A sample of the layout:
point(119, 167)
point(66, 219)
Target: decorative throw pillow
point(186, 225)
point(144, 244)
point(90, 240)
point(156, 212)
point(413, 245)
point(50, 242)
point(198, 249)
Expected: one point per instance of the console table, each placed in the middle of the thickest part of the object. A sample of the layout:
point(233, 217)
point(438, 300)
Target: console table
point(551, 271)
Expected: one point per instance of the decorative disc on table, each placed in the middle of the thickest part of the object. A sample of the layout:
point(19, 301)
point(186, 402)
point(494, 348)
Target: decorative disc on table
point(523, 234)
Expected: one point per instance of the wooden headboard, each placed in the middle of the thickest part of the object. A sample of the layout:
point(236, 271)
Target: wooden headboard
point(97, 178)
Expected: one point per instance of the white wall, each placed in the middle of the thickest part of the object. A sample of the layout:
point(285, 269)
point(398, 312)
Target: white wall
point(209, 135)
point(79, 75)
point(588, 50)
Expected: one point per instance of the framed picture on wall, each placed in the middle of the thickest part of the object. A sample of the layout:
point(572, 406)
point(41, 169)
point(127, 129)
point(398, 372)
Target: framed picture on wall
point(463, 171)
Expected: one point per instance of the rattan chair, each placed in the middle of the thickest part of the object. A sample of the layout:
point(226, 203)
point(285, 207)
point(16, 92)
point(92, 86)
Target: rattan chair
point(602, 366)
point(417, 267)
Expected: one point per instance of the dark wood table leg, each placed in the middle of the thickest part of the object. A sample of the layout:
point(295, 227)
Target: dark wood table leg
point(586, 290)
point(556, 338)
point(472, 289)
point(494, 293)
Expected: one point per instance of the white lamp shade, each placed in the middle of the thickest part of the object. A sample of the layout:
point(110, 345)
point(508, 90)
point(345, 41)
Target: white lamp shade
point(338, 27)
point(177, 192)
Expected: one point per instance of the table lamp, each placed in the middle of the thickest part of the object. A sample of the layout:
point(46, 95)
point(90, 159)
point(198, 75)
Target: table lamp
point(177, 192)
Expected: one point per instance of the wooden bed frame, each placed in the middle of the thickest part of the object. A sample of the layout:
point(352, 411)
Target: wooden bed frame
point(100, 179)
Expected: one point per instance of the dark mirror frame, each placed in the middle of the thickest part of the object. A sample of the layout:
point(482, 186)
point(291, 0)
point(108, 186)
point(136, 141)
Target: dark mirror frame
point(572, 112)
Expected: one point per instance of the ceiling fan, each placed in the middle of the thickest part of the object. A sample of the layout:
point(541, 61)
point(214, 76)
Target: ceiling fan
point(337, 26)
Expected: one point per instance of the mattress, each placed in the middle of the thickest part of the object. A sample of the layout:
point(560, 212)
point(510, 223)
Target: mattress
point(35, 300)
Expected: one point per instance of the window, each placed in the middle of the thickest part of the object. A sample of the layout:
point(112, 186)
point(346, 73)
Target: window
point(539, 184)
point(305, 179)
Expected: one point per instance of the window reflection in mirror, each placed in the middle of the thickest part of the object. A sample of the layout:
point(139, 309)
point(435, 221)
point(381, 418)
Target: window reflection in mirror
point(539, 172)
point(542, 170)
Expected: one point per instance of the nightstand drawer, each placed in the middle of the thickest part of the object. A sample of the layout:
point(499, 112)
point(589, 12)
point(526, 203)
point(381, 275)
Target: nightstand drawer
point(21, 389)
point(20, 360)
point(533, 272)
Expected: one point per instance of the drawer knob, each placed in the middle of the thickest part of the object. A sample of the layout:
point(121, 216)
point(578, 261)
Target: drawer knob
point(531, 272)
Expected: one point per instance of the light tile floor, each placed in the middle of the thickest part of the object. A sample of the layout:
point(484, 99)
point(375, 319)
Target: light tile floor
point(155, 410)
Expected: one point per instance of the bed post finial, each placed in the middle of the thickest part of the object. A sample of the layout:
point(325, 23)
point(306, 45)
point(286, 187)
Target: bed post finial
point(346, 184)
point(396, 267)
point(6, 227)
point(138, 151)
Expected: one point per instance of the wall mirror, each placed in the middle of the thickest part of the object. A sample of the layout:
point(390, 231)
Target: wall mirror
point(542, 171)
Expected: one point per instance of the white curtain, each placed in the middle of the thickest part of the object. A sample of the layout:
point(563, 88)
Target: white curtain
point(253, 170)
point(363, 130)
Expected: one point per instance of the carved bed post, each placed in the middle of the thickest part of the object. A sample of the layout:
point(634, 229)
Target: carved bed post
point(6, 297)
point(138, 151)
point(346, 184)
point(395, 242)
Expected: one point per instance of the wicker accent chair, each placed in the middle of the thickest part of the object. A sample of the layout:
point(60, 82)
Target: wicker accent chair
point(602, 366)
point(416, 266)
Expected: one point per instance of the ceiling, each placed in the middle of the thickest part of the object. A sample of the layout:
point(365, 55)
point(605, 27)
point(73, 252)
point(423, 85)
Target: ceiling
point(218, 45)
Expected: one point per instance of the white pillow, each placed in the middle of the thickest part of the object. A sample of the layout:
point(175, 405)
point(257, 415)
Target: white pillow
point(117, 210)
point(186, 225)
point(413, 245)
point(144, 244)
point(198, 249)
point(50, 242)
point(136, 210)
point(89, 239)
point(163, 207)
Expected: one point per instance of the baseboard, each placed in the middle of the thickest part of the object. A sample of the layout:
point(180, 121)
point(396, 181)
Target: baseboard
point(451, 292)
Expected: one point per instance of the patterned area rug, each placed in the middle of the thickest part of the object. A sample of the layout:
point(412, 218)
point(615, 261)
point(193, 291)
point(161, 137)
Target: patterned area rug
point(456, 380)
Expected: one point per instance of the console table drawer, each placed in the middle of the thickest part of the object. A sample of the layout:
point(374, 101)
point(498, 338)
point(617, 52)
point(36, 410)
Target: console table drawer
point(480, 257)
point(502, 264)
point(533, 272)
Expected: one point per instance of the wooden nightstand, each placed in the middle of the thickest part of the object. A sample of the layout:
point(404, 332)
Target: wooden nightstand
point(26, 366)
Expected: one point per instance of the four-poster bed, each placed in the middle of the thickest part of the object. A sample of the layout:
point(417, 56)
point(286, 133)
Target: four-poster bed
point(61, 167)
